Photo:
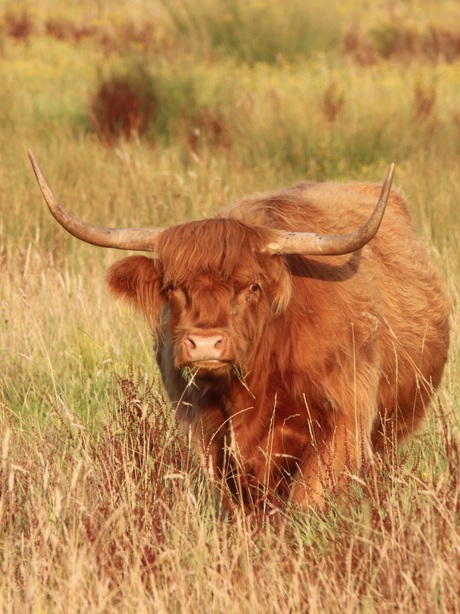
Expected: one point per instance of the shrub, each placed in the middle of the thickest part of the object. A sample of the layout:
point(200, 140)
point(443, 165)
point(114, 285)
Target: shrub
point(19, 25)
point(124, 103)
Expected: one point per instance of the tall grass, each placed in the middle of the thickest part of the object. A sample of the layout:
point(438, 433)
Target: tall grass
point(101, 504)
point(118, 520)
point(256, 31)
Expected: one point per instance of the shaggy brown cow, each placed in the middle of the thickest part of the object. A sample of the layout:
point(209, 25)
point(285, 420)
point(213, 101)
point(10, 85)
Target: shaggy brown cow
point(290, 355)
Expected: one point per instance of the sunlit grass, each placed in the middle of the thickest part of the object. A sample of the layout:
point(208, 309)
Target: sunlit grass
point(310, 118)
point(101, 506)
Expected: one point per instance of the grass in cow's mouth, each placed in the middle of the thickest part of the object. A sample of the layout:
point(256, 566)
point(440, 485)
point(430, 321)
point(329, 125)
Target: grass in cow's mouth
point(242, 376)
point(189, 375)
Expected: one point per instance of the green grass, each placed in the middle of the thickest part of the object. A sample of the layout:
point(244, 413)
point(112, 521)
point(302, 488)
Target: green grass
point(101, 505)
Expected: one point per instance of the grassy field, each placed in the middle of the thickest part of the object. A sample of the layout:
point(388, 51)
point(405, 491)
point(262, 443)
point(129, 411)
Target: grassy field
point(101, 505)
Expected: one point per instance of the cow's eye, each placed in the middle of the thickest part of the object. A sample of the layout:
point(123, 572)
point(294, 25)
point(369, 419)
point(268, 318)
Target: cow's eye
point(170, 286)
point(255, 287)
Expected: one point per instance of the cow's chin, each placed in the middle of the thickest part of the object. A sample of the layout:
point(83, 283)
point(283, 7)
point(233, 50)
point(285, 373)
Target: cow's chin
point(208, 369)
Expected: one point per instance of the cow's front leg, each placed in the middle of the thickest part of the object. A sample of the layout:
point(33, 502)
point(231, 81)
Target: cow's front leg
point(330, 458)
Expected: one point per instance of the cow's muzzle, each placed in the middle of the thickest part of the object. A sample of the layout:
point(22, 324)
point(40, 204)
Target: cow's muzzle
point(205, 345)
point(205, 350)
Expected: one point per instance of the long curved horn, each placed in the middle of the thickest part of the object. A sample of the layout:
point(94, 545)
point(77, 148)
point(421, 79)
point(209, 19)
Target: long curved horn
point(142, 239)
point(310, 243)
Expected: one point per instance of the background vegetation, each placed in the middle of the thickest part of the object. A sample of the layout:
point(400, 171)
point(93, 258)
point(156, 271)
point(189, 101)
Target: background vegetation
point(149, 113)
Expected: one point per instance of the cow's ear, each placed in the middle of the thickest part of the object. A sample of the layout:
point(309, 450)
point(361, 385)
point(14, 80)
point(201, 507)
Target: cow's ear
point(136, 280)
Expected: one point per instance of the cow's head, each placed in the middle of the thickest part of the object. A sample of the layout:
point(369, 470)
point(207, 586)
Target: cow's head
point(210, 288)
point(213, 284)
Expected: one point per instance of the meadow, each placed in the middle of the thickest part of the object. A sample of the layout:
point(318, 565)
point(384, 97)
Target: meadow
point(148, 113)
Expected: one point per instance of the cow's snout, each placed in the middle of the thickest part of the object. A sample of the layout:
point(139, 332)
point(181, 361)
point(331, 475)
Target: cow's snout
point(205, 345)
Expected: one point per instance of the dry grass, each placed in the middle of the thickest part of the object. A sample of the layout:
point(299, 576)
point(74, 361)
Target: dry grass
point(101, 505)
point(119, 520)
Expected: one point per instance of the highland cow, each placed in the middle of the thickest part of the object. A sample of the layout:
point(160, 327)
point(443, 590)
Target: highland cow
point(292, 337)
